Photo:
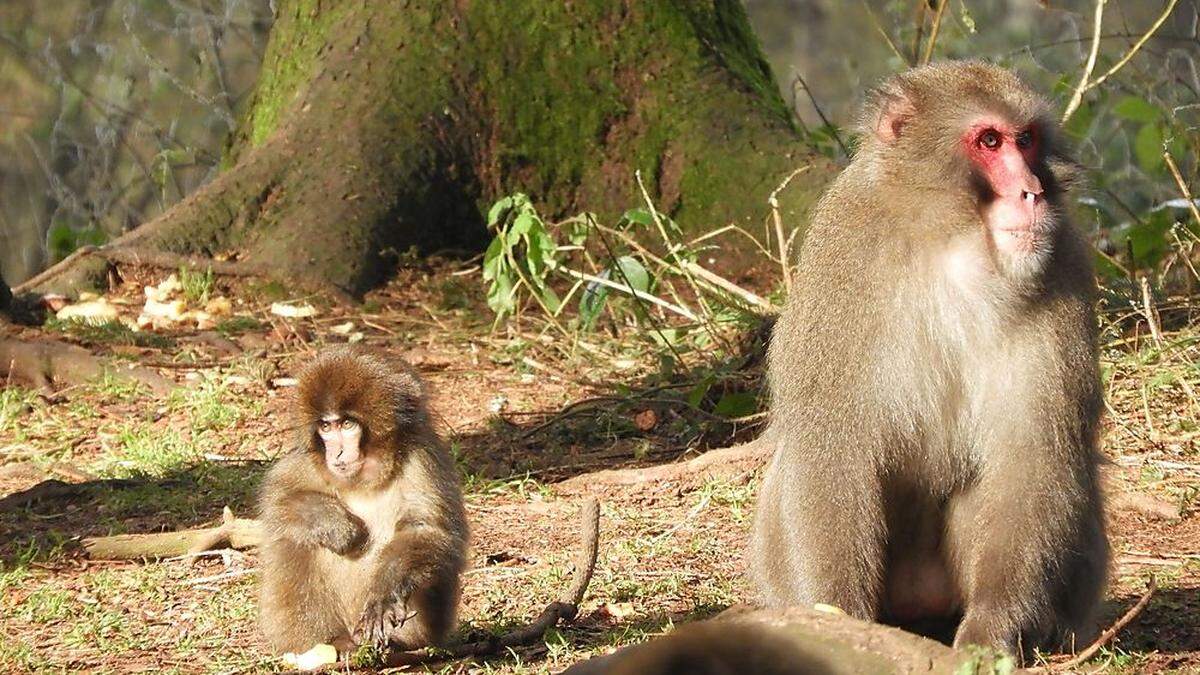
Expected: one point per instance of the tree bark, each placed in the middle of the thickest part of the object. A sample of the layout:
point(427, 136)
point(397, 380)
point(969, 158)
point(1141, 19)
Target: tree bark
point(377, 127)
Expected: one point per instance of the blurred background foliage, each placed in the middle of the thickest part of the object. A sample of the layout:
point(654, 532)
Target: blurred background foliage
point(112, 111)
point(116, 109)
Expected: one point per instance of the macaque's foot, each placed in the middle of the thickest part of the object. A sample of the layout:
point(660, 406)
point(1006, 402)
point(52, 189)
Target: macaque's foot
point(382, 618)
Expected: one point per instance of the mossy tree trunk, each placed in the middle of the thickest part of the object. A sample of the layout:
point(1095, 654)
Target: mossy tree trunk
point(376, 127)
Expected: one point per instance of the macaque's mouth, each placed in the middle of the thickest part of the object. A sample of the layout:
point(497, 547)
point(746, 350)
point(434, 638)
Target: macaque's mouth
point(344, 469)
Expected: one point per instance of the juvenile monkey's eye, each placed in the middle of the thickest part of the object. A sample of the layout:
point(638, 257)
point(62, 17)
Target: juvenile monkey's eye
point(990, 139)
point(324, 425)
point(349, 424)
point(1025, 139)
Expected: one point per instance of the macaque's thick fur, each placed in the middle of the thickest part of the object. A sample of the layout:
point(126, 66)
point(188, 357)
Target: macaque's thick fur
point(374, 557)
point(936, 402)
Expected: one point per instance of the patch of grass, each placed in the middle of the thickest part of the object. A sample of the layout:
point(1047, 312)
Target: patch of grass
point(111, 333)
point(209, 406)
point(147, 451)
point(15, 403)
point(197, 286)
point(237, 324)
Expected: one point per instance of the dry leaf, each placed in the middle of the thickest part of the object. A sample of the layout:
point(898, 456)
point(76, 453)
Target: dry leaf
point(292, 311)
point(645, 420)
point(93, 310)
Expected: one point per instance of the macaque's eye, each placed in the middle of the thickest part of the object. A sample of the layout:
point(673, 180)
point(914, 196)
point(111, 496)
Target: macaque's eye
point(1025, 139)
point(349, 424)
point(990, 139)
point(325, 425)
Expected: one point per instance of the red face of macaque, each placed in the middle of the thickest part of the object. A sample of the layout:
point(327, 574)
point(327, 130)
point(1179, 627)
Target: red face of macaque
point(1017, 217)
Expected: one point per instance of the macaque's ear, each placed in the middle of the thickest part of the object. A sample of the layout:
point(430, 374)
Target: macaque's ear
point(894, 110)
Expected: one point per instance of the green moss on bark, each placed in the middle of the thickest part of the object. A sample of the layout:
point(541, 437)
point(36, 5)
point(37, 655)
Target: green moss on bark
point(379, 126)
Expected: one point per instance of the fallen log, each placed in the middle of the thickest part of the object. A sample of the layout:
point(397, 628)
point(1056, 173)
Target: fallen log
point(236, 533)
point(43, 364)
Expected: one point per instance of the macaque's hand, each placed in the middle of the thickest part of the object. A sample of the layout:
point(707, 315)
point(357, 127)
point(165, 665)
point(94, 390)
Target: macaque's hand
point(383, 615)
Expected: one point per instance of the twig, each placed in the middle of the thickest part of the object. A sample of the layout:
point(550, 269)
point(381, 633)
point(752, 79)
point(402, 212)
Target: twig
point(882, 32)
point(1162, 18)
point(784, 244)
point(681, 311)
point(1077, 95)
point(565, 608)
point(1112, 631)
point(1148, 311)
point(1084, 85)
point(933, 31)
point(797, 78)
point(1183, 188)
point(727, 286)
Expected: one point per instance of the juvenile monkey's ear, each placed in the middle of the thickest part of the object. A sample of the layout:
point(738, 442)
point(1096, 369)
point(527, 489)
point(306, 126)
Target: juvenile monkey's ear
point(893, 111)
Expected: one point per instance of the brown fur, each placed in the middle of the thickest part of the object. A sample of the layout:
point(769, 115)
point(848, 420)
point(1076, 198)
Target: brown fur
point(341, 561)
point(714, 648)
point(935, 414)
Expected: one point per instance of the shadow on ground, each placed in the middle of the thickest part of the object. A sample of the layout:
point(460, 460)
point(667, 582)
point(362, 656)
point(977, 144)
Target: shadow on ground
point(47, 520)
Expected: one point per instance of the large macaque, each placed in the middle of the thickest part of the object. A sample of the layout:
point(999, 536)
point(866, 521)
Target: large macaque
point(934, 379)
point(365, 529)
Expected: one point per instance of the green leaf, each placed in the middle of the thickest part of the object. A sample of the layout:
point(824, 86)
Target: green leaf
point(638, 217)
point(1148, 148)
point(500, 296)
point(591, 302)
point(1135, 109)
point(550, 298)
point(498, 211)
point(631, 269)
point(493, 259)
point(697, 393)
point(577, 232)
point(736, 404)
point(523, 223)
point(1081, 121)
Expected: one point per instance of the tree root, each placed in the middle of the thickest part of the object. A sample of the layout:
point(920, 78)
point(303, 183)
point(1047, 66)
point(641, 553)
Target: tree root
point(43, 364)
point(747, 456)
point(132, 255)
point(237, 533)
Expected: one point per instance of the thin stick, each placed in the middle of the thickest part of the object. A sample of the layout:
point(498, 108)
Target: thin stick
point(565, 608)
point(1183, 188)
point(1077, 96)
point(933, 31)
point(1148, 311)
point(820, 113)
point(882, 32)
point(1162, 18)
point(784, 244)
point(681, 311)
point(727, 286)
point(1112, 631)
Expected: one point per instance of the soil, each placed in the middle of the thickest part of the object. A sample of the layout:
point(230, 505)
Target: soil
point(508, 399)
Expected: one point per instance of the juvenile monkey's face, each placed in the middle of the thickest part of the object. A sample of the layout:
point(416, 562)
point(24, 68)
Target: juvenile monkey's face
point(341, 437)
point(1017, 220)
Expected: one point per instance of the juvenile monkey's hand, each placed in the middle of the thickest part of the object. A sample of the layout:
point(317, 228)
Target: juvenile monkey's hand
point(342, 532)
point(383, 615)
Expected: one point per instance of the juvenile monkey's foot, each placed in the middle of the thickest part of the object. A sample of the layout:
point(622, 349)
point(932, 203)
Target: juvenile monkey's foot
point(382, 618)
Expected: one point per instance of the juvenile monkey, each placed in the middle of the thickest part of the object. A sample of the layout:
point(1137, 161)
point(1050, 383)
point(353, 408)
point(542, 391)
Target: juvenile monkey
point(365, 533)
point(934, 379)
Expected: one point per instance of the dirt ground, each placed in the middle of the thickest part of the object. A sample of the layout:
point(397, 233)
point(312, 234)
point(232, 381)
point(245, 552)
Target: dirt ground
point(523, 409)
